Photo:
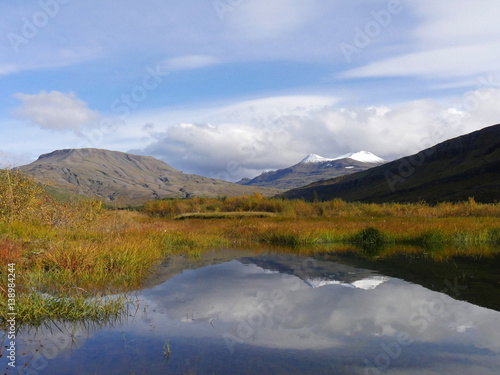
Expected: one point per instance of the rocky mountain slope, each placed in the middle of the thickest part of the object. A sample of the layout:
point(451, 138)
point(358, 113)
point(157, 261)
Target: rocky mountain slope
point(124, 179)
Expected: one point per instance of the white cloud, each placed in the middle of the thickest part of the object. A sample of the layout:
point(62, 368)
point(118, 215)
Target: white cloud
point(318, 318)
point(55, 110)
point(247, 138)
point(189, 62)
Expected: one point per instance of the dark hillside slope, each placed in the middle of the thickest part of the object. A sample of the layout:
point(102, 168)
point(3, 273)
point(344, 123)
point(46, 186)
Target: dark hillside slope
point(454, 170)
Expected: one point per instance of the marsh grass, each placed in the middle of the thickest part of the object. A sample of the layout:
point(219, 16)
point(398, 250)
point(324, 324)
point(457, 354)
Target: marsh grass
point(224, 215)
point(171, 208)
point(97, 309)
point(72, 256)
point(493, 236)
point(371, 241)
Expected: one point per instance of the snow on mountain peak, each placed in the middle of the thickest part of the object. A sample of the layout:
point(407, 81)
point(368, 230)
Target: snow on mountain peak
point(362, 156)
point(313, 158)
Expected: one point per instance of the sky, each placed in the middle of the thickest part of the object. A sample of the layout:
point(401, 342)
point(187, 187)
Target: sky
point(230, 88)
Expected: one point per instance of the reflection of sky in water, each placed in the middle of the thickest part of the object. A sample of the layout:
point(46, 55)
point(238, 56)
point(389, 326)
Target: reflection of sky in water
point(244, 309)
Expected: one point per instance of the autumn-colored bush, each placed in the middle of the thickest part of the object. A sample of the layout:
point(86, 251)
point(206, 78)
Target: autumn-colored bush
point(24, 200)
point(10, 252)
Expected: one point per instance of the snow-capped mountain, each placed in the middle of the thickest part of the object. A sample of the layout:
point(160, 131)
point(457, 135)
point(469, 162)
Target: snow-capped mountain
point(313, 158)
point(362, 156)
point(459, 168)
point(315, 168)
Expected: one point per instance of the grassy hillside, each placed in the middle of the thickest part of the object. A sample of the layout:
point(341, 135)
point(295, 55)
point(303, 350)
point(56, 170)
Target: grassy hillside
point(124, 179)
point(463, 167)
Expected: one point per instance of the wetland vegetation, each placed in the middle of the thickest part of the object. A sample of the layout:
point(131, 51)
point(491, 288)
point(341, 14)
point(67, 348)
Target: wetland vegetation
point(74, 258)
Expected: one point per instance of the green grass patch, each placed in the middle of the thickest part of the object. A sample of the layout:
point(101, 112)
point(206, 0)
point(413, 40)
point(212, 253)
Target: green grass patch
point(494, 236)
point(34, 309)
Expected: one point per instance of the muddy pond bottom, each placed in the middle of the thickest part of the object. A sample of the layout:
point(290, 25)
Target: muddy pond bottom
point(240, 312)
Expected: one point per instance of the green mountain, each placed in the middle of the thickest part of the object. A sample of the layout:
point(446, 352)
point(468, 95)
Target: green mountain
point(314, 168)
point(454, 170)
point(123, 179)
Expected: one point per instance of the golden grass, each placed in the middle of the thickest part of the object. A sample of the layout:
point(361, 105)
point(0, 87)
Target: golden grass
point(170, 208)
point(69, 255)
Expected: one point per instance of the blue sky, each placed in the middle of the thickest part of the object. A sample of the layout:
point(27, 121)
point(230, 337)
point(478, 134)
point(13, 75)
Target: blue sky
point(229, 88)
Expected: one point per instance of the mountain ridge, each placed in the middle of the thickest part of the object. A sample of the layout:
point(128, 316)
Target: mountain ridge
point(124, 178)
point(453, 170)
point(314, 168)
point(362, 156)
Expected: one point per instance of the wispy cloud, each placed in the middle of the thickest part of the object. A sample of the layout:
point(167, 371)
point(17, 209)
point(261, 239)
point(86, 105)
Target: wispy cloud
point(439, 63)
point(49, 58)
point(264, 50)
point(258, 19)
point(449, 40)
point(189, 62)
point(6, 69)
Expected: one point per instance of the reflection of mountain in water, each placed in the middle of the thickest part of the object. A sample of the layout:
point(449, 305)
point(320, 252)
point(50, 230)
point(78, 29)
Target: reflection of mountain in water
point(314, 272)
point(472, 279)
point(317, 273)
point(366, 284)
point(477, 277)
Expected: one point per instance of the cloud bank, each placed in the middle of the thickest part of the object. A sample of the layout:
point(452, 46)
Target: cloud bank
point(245, 139)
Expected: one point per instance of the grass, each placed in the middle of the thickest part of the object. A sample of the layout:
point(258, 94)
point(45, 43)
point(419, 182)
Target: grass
point(224, 215)
point(171, 208)
point(72, 256)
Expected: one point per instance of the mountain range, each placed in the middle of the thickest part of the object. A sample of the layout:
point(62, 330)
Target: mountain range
point(454, 170)
point(314, 168)
point(126, 179)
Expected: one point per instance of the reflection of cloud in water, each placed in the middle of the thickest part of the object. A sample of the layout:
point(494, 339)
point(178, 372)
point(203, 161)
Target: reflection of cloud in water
point(274, 310)
point(277, 304)
point(40, 346)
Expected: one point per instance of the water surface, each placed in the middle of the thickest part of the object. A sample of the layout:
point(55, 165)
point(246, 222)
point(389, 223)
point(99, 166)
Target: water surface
point(240, 312)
